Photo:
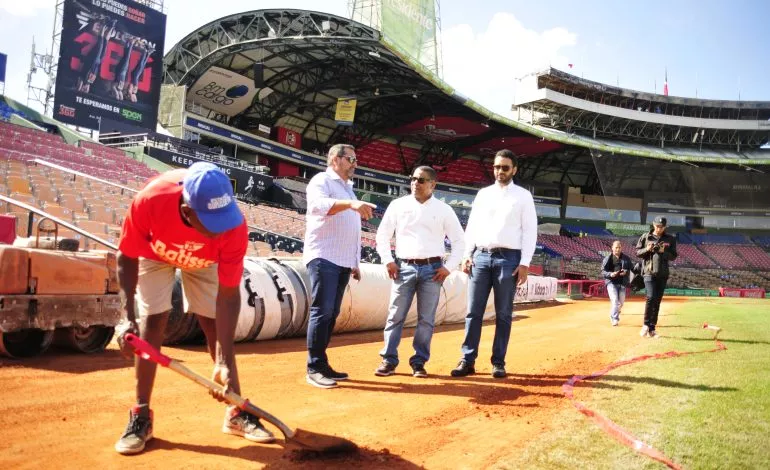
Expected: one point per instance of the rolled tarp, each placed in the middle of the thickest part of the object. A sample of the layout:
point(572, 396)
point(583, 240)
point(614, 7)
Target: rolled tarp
point(275, 300)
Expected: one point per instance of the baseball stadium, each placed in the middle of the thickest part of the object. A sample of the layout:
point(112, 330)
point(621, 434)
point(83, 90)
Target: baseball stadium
point(264, 95)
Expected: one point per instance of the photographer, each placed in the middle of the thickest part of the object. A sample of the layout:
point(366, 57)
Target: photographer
point(616, 270)
point(656, 248)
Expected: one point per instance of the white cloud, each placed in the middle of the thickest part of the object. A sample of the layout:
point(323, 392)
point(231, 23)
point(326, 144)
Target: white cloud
point(24, 7)
point(483, 66)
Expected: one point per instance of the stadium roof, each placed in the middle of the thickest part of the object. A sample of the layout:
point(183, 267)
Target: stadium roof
point(311, 59)
point(559, 100)
point(557, 79)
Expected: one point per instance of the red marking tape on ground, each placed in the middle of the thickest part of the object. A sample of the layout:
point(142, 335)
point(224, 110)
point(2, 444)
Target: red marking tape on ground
point(617, 432)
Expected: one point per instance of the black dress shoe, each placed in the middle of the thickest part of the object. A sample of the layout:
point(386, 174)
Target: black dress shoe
point(463, 368)
point(334, 375)
point(498, 371)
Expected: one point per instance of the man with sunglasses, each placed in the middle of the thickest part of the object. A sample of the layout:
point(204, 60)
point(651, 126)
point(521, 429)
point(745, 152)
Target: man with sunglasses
point(499, 243)
point(420, 223)
point(332, 253)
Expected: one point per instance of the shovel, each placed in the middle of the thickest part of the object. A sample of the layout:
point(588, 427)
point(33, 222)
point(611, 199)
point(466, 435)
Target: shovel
point(305, 440)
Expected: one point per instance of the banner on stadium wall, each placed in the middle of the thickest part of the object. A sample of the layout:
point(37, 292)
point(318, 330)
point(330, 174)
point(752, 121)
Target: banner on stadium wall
point(246, 184)
point(346, 110)
point(290, 138)
point(536, 288)
point(618, 227)
point(223, 91)
point(110, 63)
point(411, 26)
point(3, 62)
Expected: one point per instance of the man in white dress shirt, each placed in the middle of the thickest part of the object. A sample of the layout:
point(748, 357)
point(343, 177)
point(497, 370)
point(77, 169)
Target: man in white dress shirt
point(332, 253)
point(500, 240)
point(420, 223)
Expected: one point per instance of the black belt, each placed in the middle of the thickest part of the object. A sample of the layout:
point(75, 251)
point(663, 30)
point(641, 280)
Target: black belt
point(422, 261)
point(497, 250)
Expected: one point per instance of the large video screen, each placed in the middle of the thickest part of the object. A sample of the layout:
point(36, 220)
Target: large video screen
point(110, 63)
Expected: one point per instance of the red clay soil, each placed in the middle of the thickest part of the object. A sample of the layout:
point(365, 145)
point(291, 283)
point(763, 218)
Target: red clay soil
point(66, 410)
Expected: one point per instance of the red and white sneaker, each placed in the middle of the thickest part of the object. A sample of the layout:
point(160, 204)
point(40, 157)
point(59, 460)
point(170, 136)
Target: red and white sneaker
point(138, 431)
point(240, 423)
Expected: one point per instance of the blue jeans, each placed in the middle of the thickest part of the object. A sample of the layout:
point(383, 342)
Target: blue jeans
point(617, 295)
point(412, 279)
point(655, 287)
point(327, 285)
point(491, 271)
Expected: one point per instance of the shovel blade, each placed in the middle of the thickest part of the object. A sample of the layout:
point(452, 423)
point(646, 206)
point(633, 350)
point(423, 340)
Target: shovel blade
point(312, 441)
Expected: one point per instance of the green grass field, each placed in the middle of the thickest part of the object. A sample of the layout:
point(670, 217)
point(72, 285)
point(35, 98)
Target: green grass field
point(702, 411)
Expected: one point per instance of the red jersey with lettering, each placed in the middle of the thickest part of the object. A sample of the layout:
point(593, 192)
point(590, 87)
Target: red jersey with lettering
point(154, 229)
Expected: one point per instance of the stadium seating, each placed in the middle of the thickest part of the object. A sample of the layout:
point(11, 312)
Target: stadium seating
point(697, 267)
point(686, 277)
point(689, 255)
point(384, 156)
point(723, 255)
point(283, 229)
point(600, 245)
point(465, 171)
point(95, 207)
point(710, 261)
point(569, 248)
point(21, 143)
point(286, 222)
point(754, 256)
point(279, 220)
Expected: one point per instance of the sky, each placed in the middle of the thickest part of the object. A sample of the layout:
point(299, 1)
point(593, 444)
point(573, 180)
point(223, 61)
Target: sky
point(708, 48)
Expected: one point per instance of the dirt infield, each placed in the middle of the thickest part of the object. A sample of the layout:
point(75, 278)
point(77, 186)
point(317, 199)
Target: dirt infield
point(66, 410)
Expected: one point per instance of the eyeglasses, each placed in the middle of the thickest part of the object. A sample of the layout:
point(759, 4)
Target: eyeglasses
point(504, 168)
point(420, 180)
point(351, 158)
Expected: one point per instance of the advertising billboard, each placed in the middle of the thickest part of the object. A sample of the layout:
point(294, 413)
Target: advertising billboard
point(290, 138)
point(110, 63)
point(410, 25)
point(246, 184)
point(223, 91)
point(345, 113)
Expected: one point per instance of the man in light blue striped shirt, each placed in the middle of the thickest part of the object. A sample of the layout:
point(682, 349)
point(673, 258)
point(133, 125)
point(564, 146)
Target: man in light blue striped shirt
point(332, 253)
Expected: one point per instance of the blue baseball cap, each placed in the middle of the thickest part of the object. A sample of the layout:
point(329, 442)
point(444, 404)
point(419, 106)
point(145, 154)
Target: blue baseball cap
point(207, 190)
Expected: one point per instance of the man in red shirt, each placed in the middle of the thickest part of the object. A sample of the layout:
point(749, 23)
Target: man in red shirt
point(186, 220)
